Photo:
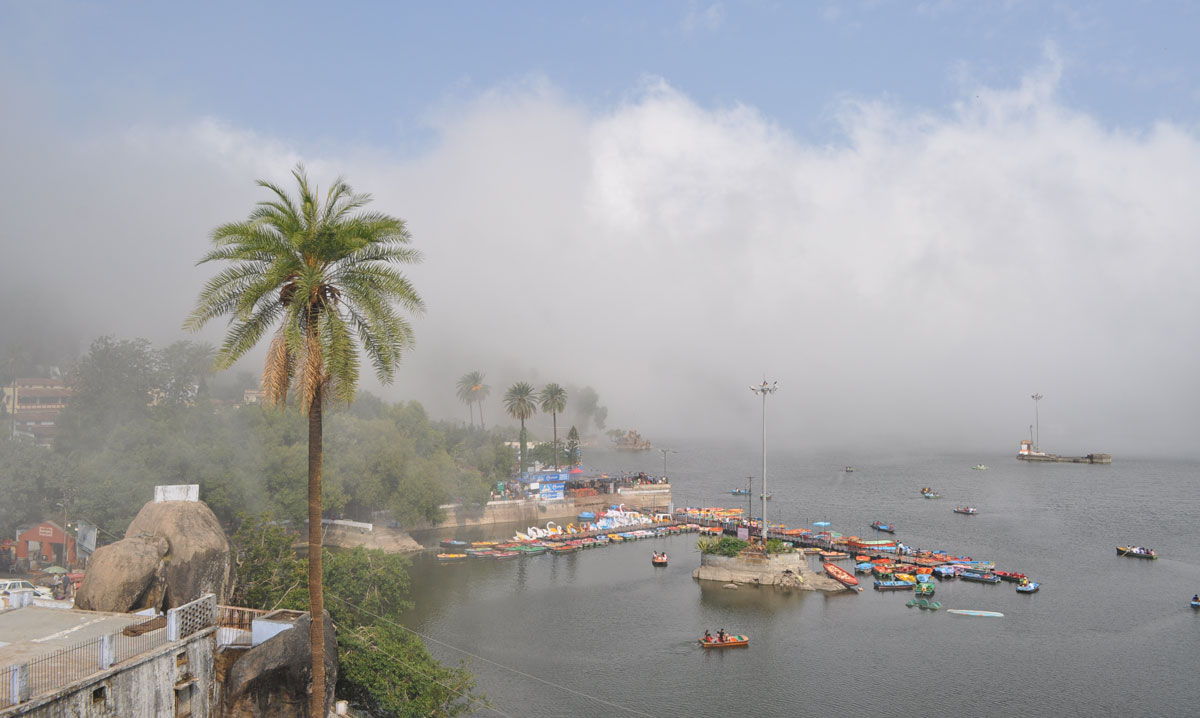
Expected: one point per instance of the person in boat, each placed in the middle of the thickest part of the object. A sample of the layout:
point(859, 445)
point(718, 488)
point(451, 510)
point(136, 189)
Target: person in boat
point(707, 636)
point(1024, 582)
point(1196, 598)
point(721, 636)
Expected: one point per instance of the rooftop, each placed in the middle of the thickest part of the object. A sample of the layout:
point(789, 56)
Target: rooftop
point(33, 631)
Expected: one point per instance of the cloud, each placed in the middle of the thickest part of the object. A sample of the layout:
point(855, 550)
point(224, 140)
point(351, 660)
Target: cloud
point(910, 283)
point(704, 17)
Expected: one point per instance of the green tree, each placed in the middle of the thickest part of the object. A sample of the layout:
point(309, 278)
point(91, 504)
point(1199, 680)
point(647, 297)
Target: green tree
point(322, 271)
point(183, 369)
point(113, 384)
point(472, 391)
point(553, 399)
point(520, 404)
point(573, 459)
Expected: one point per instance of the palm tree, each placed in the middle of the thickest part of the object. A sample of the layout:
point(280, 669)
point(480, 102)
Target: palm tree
point(465, 382)
point(471, 389)
point(320, 272)
point(519, 403)
point(553, 399)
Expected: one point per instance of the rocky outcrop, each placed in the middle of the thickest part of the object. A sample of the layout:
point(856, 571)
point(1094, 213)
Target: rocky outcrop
point(200, 559)
point(128, 575)
point(272, 680)
point(173, 553)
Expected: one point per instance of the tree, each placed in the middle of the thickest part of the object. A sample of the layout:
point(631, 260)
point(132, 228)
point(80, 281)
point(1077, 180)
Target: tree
point(519, 403)
point(553, 399)
point(573, 448)
point(183, 369)
point(113, 384)
point(323, 272)
point(465, 382)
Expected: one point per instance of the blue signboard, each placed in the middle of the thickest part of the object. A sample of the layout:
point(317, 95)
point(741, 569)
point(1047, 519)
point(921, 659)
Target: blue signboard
point(551, 492)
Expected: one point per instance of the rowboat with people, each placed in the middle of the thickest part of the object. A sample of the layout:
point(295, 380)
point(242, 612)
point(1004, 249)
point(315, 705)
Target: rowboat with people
point(723, 640)
point(1137, 552)
point(659, 559)
point(886, 528)
point(965, 510)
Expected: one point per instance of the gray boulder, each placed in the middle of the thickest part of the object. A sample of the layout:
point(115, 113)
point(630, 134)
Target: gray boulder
point(200, 559)
point(273, 679)
point(128, 575)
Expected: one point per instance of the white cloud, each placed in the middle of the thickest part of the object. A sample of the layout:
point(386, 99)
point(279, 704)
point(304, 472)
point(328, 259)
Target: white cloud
point(704, 17)
point(915, 281)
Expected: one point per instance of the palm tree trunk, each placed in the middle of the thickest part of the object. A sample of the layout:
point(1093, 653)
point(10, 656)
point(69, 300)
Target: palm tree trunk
point(316, 598)
point(555, 441)
point(481, 424)
point(522, 462)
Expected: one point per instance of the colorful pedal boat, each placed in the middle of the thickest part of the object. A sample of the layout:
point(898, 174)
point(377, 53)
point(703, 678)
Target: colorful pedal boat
point(1028, 587)
point(451, 557)
point(729, 642)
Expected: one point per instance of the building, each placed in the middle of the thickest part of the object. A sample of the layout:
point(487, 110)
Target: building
point(32, 407)
point(44, 544)
point(67, 662)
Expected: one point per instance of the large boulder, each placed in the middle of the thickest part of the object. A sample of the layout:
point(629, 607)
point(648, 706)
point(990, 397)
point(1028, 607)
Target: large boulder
point(273, 679)
point(200, 559)
point(173, 553)
point(128, 575)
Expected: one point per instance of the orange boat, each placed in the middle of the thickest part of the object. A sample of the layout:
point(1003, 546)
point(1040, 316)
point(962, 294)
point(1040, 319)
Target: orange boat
point(846, 578)
point(729, 642)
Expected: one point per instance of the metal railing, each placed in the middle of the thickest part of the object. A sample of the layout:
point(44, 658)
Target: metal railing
point(52, 671)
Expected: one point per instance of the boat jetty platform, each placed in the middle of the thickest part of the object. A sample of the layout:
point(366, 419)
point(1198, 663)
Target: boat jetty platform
point(1028, 453)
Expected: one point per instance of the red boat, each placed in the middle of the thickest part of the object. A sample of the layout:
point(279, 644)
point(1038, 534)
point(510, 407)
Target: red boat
point(845, 577)
point(659, 559)
point(730, 641)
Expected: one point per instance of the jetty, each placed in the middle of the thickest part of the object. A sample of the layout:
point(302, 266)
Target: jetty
point(1027, 453)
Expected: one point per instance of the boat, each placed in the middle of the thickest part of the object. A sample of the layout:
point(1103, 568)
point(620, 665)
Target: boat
point(1195, 604)
point(454, 544)
point(1028, 587)
point(841, 575)
point(1136, 552)
point(765, 497)
point(659, 559)
point(931, 495)
point(888, 528)
point(1010, 576)
point(849, 469)
point(980, 576)
point(730, 641)
point(863, 567)
point(833, 555)
point(979, 467)
point(894, 585)
point(924, 589)
point(965, 510)
point(740, 492)
point(505, 555)
point(973, 612)
point(451, 557)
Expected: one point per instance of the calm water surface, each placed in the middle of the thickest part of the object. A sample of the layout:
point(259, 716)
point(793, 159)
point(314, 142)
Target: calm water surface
point(1105, 635)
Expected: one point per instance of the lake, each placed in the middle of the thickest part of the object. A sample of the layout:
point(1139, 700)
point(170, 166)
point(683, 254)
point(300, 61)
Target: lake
point(603, 633)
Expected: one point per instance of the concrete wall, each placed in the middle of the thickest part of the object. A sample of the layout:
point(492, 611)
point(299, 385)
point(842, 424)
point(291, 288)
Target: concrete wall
point(148, 685)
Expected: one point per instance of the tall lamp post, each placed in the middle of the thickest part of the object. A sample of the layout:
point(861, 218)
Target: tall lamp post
point(664, 453)
point(1037, 442)
point(762, 390)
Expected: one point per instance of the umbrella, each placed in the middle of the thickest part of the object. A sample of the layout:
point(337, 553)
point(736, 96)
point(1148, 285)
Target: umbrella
point(576, 471)
point(55, 569)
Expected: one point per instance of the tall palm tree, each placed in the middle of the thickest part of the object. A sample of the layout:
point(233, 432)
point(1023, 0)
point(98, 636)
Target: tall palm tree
point(465, 394)
point(320, 272)
point(520, 404)
point(553, 400)
point(480, 391)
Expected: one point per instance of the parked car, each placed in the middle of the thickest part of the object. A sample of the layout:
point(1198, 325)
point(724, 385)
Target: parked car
point(14, 585)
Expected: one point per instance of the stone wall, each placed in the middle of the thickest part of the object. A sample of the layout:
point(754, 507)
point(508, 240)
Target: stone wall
point(785, 570)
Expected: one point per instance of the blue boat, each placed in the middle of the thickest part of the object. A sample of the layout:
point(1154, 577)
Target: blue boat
point(887, 528)
point(894, 585)
point(740, 492)
point(946, 571)
point(980, 577)
point(1028, 587)
point(454, 543)
point(864, 567)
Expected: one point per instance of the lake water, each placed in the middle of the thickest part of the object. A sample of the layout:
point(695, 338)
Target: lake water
point(602, 633)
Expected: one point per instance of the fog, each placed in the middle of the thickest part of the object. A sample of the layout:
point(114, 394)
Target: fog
point(909, 284)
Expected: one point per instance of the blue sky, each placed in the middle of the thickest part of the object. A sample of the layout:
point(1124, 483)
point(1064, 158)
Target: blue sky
point(913, 215)
point(321, 73)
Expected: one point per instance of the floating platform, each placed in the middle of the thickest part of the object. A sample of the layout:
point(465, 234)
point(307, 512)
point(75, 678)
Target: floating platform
point(1089, 459)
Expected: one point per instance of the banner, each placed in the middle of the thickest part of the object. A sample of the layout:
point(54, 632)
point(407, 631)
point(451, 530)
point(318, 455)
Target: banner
point(551, 492)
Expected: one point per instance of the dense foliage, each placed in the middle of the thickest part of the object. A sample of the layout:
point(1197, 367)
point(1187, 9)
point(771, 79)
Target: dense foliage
point(382, 667)
point(113, 448)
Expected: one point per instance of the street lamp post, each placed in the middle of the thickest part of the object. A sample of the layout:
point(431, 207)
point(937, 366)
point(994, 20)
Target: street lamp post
point(762, 390)
point(749, 500)
point(1037, 442)
point(664, 453)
